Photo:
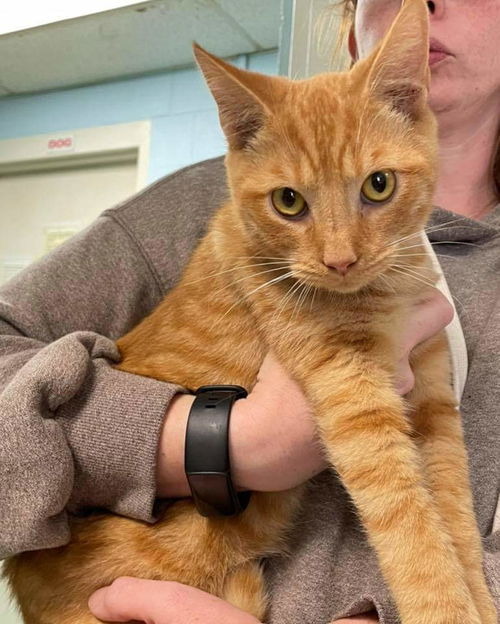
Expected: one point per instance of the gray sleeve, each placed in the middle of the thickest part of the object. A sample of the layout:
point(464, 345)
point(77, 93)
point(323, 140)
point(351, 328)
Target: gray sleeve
point(75, 432)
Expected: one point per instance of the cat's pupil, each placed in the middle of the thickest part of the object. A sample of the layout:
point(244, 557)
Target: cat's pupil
point(379, 182)
point(288, 196)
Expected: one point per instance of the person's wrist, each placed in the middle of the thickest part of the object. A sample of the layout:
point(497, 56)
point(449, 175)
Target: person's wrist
point(266, 456)
point(255, 454)
point(170, 474)
point(241, 456)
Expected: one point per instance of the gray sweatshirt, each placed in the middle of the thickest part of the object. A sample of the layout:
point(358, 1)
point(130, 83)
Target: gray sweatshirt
point(75, 433)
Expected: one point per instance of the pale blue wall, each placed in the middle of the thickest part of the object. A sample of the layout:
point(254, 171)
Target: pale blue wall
point(184, 123)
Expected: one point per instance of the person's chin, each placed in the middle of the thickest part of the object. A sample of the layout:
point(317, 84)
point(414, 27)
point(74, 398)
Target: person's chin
point(441, 97)
point(446, 92)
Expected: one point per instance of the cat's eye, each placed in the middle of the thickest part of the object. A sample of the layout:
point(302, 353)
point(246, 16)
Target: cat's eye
point(378, 187)
point(288, 202)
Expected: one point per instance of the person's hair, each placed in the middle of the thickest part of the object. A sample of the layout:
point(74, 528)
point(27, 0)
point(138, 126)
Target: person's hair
point(348, 9)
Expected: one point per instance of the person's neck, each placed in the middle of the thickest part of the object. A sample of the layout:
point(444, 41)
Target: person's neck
point(467, 140)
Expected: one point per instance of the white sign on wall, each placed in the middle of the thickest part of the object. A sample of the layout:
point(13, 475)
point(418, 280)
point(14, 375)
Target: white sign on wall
point(58, 144)
point(58, 234)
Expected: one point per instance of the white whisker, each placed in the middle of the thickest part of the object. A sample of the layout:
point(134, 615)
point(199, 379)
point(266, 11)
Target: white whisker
point(415, 268)
point(241, 279)
point(288, 295)
point(454, 243)
point(419, 279)
point(236, 268)
point(421, 254)
point(428, 230)
point(260, 258)
point(312, 299)
point(385, 279)
point(268, 283)
point(299, 298)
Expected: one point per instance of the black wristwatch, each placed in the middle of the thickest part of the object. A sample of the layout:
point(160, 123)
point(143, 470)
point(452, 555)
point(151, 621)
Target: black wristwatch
point(206, 457)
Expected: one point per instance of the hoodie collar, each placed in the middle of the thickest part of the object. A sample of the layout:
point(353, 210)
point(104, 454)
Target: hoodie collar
point(445, 225)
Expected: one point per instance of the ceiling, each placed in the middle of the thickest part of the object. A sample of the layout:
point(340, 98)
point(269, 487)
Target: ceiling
point(146, 37)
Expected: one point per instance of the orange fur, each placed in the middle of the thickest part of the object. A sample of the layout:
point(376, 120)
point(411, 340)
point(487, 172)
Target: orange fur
point(402, 460)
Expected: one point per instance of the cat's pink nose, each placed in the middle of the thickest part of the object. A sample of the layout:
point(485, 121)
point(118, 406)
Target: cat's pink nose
point(340, 265)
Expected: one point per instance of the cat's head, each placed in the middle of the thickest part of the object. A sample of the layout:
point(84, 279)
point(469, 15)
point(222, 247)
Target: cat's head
point(329, 172)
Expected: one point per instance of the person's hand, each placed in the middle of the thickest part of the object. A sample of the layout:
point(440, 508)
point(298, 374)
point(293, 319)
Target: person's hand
point(272, 436)
point(429, 317)
point(273, 439)
point(162, 602)
point(167, 602)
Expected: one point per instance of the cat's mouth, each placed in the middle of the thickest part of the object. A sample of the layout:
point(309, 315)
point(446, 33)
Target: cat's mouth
point(355, 278)
point(348, 283)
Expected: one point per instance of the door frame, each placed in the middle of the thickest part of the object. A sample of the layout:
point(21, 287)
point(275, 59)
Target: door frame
point(81, 146)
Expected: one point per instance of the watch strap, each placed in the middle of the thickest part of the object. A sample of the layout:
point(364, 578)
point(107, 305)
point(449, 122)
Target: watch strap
point(206, 461)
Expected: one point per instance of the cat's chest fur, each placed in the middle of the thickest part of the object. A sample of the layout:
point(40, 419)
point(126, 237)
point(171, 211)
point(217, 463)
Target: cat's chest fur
point(212, 332)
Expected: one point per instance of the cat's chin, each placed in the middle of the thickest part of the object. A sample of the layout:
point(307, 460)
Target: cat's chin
point(347, 288)
point(351, 287)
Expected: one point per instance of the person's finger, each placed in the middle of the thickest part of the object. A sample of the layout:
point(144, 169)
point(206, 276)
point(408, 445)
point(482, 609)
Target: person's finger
point(427, 319)
point(367, 618)
point(129, 599)
point(162, 602)
point(358, 619)
point(405, 379)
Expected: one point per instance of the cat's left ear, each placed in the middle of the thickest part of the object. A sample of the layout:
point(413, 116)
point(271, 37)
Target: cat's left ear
point(399, 70)
point(244, 98)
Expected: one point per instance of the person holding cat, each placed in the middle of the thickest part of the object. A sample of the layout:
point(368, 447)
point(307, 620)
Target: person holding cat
point(48, 339)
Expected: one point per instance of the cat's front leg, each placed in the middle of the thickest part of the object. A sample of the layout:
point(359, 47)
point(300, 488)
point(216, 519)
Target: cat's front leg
point(440, 439)
point(367, 436)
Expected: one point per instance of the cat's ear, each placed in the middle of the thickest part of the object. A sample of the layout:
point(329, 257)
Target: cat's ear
point(243, 97)
point(399, 70)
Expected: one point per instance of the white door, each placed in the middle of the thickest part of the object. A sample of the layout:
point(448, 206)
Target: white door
point(52, 185)
point(39, 209)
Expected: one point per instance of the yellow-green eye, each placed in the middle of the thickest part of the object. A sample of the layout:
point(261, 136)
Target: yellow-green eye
point(378, 187)
point(288, 202)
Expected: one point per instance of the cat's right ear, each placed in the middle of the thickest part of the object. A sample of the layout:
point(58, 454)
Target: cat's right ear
point(244, 98)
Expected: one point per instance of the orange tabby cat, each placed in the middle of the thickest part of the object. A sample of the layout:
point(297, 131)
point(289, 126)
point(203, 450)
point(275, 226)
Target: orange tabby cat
point(329, 177)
